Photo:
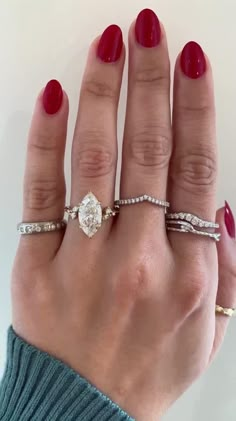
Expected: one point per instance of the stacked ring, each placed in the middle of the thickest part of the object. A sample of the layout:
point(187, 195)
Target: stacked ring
point(189, 223)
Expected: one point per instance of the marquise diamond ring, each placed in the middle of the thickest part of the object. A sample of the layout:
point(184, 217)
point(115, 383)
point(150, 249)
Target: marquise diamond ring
point(90, 214)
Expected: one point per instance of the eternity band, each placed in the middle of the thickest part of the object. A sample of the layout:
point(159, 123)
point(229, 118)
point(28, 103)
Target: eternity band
point(26, 228)
point(193, 219)
point(140, 199)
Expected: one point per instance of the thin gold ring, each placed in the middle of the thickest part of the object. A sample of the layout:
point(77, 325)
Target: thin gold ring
point(230, 312)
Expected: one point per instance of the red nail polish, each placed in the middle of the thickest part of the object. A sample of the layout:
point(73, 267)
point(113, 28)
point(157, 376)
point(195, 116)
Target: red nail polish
point(193, 62)
point(52, 97)
point(110, 44)
point(148, 29)
point(229, 221)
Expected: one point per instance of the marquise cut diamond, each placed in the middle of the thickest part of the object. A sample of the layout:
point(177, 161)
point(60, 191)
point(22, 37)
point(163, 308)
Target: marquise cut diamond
point(90, 215)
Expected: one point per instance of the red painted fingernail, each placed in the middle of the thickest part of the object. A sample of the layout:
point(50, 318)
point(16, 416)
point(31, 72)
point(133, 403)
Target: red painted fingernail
point(148, 29)
point(193, 62)
point(229, 221)
point(52, 97)
point(110, 44)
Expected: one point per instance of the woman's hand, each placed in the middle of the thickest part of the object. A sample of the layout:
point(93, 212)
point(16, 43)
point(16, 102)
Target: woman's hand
point(133, 308)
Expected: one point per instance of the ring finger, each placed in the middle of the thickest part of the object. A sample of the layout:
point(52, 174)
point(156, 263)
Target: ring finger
point(94, 150)
point(194, 163)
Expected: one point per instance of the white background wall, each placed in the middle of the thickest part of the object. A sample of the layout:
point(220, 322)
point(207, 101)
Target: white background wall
point(45, 39)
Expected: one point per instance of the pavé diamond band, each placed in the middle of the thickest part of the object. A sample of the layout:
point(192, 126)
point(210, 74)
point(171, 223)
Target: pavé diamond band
point(140, 199)
point(90, 214)
point(193, 219)
point(26, 228)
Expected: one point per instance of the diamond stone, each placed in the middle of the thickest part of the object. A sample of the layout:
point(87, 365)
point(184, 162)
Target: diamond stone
point(90, 215)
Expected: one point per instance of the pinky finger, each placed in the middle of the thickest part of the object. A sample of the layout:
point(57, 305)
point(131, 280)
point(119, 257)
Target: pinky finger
point(226, 295)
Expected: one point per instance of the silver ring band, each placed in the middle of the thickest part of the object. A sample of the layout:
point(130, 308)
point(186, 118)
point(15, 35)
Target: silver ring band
point(193, 219)
point(183, 226)
point(140, 199)
point(27, 228)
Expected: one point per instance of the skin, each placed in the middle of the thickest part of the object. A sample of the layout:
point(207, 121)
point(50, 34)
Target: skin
point(133, 309)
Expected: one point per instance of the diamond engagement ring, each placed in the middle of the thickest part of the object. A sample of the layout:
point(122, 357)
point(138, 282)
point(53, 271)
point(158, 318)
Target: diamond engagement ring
point(90, 214)
point(140, 199)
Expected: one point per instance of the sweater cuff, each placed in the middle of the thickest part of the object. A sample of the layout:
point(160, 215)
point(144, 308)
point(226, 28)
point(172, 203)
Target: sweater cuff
point(38, 387)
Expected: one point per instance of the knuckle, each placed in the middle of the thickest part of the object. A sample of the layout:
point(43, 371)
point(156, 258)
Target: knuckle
point(193, 292)
point(196, 169)
point(150, 147)
point(44, 142)
point(99, 89)
point(94, 159)
point(201, 112)
point(43, 194)
point(152, 75)
point(134, 283)
point(228, 274)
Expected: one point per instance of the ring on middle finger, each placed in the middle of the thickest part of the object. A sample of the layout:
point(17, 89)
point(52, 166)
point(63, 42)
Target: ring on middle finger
point(140, 199)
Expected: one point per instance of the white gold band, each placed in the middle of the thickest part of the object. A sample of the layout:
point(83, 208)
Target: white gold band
point(27, 228)
point(140, 199)
point(186, 227)
point(193, 219)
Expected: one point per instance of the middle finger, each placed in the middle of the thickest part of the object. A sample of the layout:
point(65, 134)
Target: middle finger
point(147, 136)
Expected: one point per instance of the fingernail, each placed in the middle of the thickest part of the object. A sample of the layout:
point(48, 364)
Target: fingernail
point(110, 44)
point(193, 62)
point(52, 97)
point(229, 221)
point(148, 29)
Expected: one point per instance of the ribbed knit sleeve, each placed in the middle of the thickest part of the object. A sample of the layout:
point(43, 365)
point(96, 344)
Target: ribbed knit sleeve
point(38, 387)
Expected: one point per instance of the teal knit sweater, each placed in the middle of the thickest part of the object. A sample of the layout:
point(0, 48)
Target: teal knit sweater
point(38, 387)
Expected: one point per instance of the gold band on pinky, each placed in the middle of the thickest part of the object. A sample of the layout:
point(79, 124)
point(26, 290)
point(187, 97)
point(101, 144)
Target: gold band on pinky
point(230, 312)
